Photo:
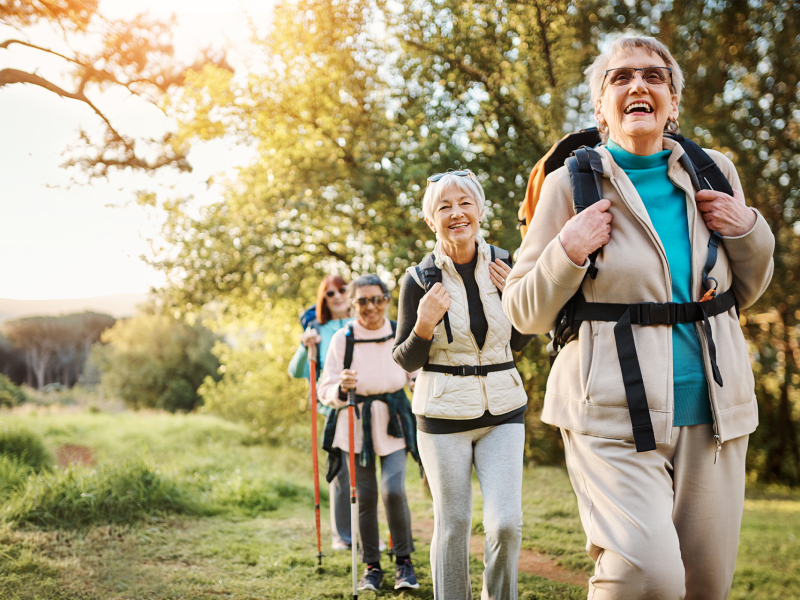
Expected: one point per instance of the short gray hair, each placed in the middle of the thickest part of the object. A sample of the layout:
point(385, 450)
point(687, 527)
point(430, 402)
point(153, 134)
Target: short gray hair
point(364, 281)
point(469, 185)
point(597, 70)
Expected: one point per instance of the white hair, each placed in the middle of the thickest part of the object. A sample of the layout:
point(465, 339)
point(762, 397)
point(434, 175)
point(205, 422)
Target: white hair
point(433, 194)
point(597, 70)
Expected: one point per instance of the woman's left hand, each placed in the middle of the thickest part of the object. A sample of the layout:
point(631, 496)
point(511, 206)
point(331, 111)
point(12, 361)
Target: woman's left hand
point(728, 216)
point(498, 271)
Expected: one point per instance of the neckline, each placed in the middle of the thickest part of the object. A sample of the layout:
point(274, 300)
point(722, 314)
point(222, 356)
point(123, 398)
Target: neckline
point(629, 161)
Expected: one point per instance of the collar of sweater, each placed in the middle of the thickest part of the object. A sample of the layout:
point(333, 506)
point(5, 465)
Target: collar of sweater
point(362, 333)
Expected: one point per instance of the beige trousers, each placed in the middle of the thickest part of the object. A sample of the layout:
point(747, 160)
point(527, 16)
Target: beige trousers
point(662, 524)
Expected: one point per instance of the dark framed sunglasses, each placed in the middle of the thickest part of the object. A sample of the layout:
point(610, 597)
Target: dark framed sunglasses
point(438, 176)
point(650, 75)
point(378, 301)
point(330, 293)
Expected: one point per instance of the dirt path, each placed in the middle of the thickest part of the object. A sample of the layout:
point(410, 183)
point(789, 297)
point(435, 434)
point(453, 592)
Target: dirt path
point(530, 561)
point(70, 454)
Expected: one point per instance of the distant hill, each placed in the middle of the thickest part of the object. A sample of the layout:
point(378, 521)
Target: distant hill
point(116, 305)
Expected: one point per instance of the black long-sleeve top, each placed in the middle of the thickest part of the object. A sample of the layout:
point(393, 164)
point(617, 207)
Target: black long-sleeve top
point(411, 351)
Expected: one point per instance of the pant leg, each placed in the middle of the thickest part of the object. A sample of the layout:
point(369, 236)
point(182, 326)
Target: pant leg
point(625, 500)
point(340, 505)
point(393, 492)
point(367, 494)
point(447, 459)
point(709, 500)
point(498, 462)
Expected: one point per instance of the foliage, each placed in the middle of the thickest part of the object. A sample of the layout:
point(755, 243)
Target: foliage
point(256, 389)
point(78, 497)
point(56, 348)
point(98, 53)
point(156, 361)
point(10, 394)
point(24, 446)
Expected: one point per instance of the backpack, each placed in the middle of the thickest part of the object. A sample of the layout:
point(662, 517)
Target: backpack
point(350, 341)
point(576, 151)
point(429, 274)
point(309, 318)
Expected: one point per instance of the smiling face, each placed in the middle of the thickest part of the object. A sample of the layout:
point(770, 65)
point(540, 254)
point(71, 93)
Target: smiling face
point(370, 316)
point(336, 300)
point(637, 113)
point(456, 219)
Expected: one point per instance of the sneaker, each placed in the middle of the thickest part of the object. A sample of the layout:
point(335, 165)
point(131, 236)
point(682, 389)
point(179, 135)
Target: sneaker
point(371, 580)
point(338, 546)
point(381, 545)
point(404, 576)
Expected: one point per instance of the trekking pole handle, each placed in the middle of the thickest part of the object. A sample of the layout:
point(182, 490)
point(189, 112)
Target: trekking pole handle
point(312, 353)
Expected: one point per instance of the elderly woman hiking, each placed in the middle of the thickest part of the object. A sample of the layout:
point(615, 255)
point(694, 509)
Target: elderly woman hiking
point(332, 312)
point(469, 399)
point(360, 357)
point(662, 522)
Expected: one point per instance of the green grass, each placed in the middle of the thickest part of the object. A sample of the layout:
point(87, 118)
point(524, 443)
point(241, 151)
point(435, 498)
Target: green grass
point(184, 506)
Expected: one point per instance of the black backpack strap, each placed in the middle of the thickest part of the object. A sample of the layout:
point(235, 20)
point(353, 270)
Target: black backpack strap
point(707, 176)
point(429, 274)
point(708, 172)
point(349, 344)
point(586, 174)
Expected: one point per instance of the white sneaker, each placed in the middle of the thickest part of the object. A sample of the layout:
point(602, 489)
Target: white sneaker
point(381, 545)
point(338, 546)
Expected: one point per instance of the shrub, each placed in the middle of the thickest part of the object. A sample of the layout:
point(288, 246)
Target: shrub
point(78, 497)
point(13, 476)
point(24, 446)
point(10, 394)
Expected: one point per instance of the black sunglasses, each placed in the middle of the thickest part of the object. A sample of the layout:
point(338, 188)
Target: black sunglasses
point(330, 293)
point(438, 176)
point(376, 300)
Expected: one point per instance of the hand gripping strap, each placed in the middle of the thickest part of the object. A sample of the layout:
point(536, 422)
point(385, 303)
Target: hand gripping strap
point(586, 171)
point(429, 274)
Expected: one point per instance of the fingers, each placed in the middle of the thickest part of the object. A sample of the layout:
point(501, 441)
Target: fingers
point(602, 205)
point(347, 379)
point(498, 272)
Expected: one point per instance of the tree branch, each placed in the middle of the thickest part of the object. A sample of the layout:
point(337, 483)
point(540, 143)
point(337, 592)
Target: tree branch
point(548, 59)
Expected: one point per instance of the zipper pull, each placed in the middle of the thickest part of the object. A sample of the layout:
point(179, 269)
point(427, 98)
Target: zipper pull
point(719, 447)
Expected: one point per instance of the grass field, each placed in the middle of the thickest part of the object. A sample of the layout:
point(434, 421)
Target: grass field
point(159, 506)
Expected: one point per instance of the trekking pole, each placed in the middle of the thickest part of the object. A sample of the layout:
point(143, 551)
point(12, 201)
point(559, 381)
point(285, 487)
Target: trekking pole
point(351, 415)
point(390, 549)
point(312, 366)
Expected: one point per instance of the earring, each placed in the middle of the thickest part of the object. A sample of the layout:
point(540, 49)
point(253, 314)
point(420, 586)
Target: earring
point(672, 125)
point(603, 127)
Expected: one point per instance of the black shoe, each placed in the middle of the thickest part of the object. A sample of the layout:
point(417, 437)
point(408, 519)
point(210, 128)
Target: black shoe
point(404, 576)
point(371, 580)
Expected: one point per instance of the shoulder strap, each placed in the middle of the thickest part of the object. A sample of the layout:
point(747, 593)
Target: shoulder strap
point(585, 172)
point(708, 172)
point(349, 344)
point(429, 274)
point(394, 327)
point(501, 254)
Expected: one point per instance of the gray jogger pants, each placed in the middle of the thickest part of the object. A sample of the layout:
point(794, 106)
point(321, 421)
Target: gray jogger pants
point(393, 491)
point(496, 453)
point(340, 506)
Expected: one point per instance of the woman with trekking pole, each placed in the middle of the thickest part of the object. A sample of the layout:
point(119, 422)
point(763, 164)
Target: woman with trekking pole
point(331, 313)
point(469, 400)
point(655, 444)
point(360, 358)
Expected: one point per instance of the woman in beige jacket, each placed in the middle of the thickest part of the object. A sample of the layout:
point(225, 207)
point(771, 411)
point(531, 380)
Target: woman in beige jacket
point(661, 523)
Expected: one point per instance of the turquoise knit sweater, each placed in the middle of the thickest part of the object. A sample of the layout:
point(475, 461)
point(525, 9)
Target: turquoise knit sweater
point(666, 205)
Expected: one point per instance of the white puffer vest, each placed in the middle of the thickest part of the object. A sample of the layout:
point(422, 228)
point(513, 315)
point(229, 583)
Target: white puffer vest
point(445, 396)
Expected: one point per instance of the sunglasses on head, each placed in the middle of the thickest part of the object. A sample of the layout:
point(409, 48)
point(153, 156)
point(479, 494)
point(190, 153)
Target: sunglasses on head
point(438, 176)
point(330, 293)
point(376, 300)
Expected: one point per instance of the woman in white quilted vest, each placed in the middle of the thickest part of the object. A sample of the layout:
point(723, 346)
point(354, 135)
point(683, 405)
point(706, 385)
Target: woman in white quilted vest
point(469, 400)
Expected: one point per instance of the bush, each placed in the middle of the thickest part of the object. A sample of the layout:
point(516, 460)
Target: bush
point(10, 394)
point(13, 476)
point(78, 497)
point(24, 446)
point(155, 361)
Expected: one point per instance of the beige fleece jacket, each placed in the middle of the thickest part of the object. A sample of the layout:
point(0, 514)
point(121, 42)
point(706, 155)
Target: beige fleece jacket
point(585, 392)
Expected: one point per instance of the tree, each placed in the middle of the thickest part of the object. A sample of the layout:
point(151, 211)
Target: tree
point(156, 361)
point(100, 53)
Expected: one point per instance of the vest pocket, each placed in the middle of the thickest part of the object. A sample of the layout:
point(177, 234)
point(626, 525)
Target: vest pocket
point(440, 381)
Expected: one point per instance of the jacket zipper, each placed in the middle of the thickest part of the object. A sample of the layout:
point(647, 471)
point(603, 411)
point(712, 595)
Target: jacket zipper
point(703, 342)
point(472, 337)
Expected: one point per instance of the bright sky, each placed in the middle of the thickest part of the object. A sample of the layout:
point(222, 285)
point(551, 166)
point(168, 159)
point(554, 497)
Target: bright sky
point(65, 241)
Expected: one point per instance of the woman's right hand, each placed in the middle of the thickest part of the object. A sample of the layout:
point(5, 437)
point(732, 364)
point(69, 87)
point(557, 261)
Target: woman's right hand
point(347, 379)
point(431, 310)
point(586, 232)
point(310, 337)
